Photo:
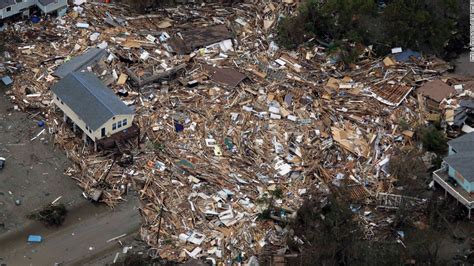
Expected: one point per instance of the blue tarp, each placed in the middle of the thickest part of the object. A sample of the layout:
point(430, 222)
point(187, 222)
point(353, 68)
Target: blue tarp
point(35, 238)
point(405, 55)
point(178, 127)
point(7, 80)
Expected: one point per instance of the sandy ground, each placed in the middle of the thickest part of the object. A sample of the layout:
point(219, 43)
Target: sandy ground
point(83, 239)
point(34, 175)
point(34, 170)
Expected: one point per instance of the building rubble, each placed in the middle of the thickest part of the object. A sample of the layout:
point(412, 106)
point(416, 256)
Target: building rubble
point(232, 126)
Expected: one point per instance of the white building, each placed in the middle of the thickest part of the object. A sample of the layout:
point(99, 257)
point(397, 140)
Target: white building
point(9, 8)
point(91, 106)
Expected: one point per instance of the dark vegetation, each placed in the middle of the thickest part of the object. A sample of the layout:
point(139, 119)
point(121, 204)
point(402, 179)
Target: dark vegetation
point(433, 140)
point(50, 215)
point(141, 259)
point(410, 171)
point(430, 26)
point(143, 5)
point(138, 260)
point(332, 234)
point(333, 237)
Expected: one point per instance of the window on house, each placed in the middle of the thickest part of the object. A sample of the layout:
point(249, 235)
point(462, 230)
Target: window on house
point(124, 122)
point(57, 98)
point(90, 131)
point(114, 126)
point(62, 102)
point(9, 9)
point(119, 124)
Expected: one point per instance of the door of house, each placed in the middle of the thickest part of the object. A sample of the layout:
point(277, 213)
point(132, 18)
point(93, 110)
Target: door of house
point(103, 132)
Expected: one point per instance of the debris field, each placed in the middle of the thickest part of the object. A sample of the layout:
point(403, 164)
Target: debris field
point(231, 125)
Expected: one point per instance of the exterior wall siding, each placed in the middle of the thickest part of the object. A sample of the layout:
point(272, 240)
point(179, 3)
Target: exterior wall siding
point(109, 125)
point(19, 7)
point(25, 4)
point(76, 119)
point(53, 6)
point(466, 185)
point(451, 151)
point(6, 14)
point(97, 134)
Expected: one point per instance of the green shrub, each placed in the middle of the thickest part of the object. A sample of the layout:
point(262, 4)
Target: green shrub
point(424, 25)
point(289, 33)
point(420, 24)
point(434, 140)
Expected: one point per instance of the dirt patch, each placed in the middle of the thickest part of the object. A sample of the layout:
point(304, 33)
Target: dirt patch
point(33, 175)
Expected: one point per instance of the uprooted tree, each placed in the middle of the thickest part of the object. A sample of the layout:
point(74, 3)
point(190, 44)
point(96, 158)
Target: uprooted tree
point(51, 215)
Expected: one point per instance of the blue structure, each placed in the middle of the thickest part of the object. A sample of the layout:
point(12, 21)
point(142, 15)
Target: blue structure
point(7, 80)
point(407, 55)
point(35, 239)
point(461, 161)
point(456, 175)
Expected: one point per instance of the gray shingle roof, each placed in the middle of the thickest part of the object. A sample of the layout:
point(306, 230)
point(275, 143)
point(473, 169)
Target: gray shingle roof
point(467, 103)
point(463, 163)
point(46, 2)
point(94, 103)
point(81, 62)
point(460, 116)
point(464, 143)
point(5, 3)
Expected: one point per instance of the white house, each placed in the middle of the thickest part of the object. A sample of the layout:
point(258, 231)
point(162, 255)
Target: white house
point(9, 8)
point(91, 106)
